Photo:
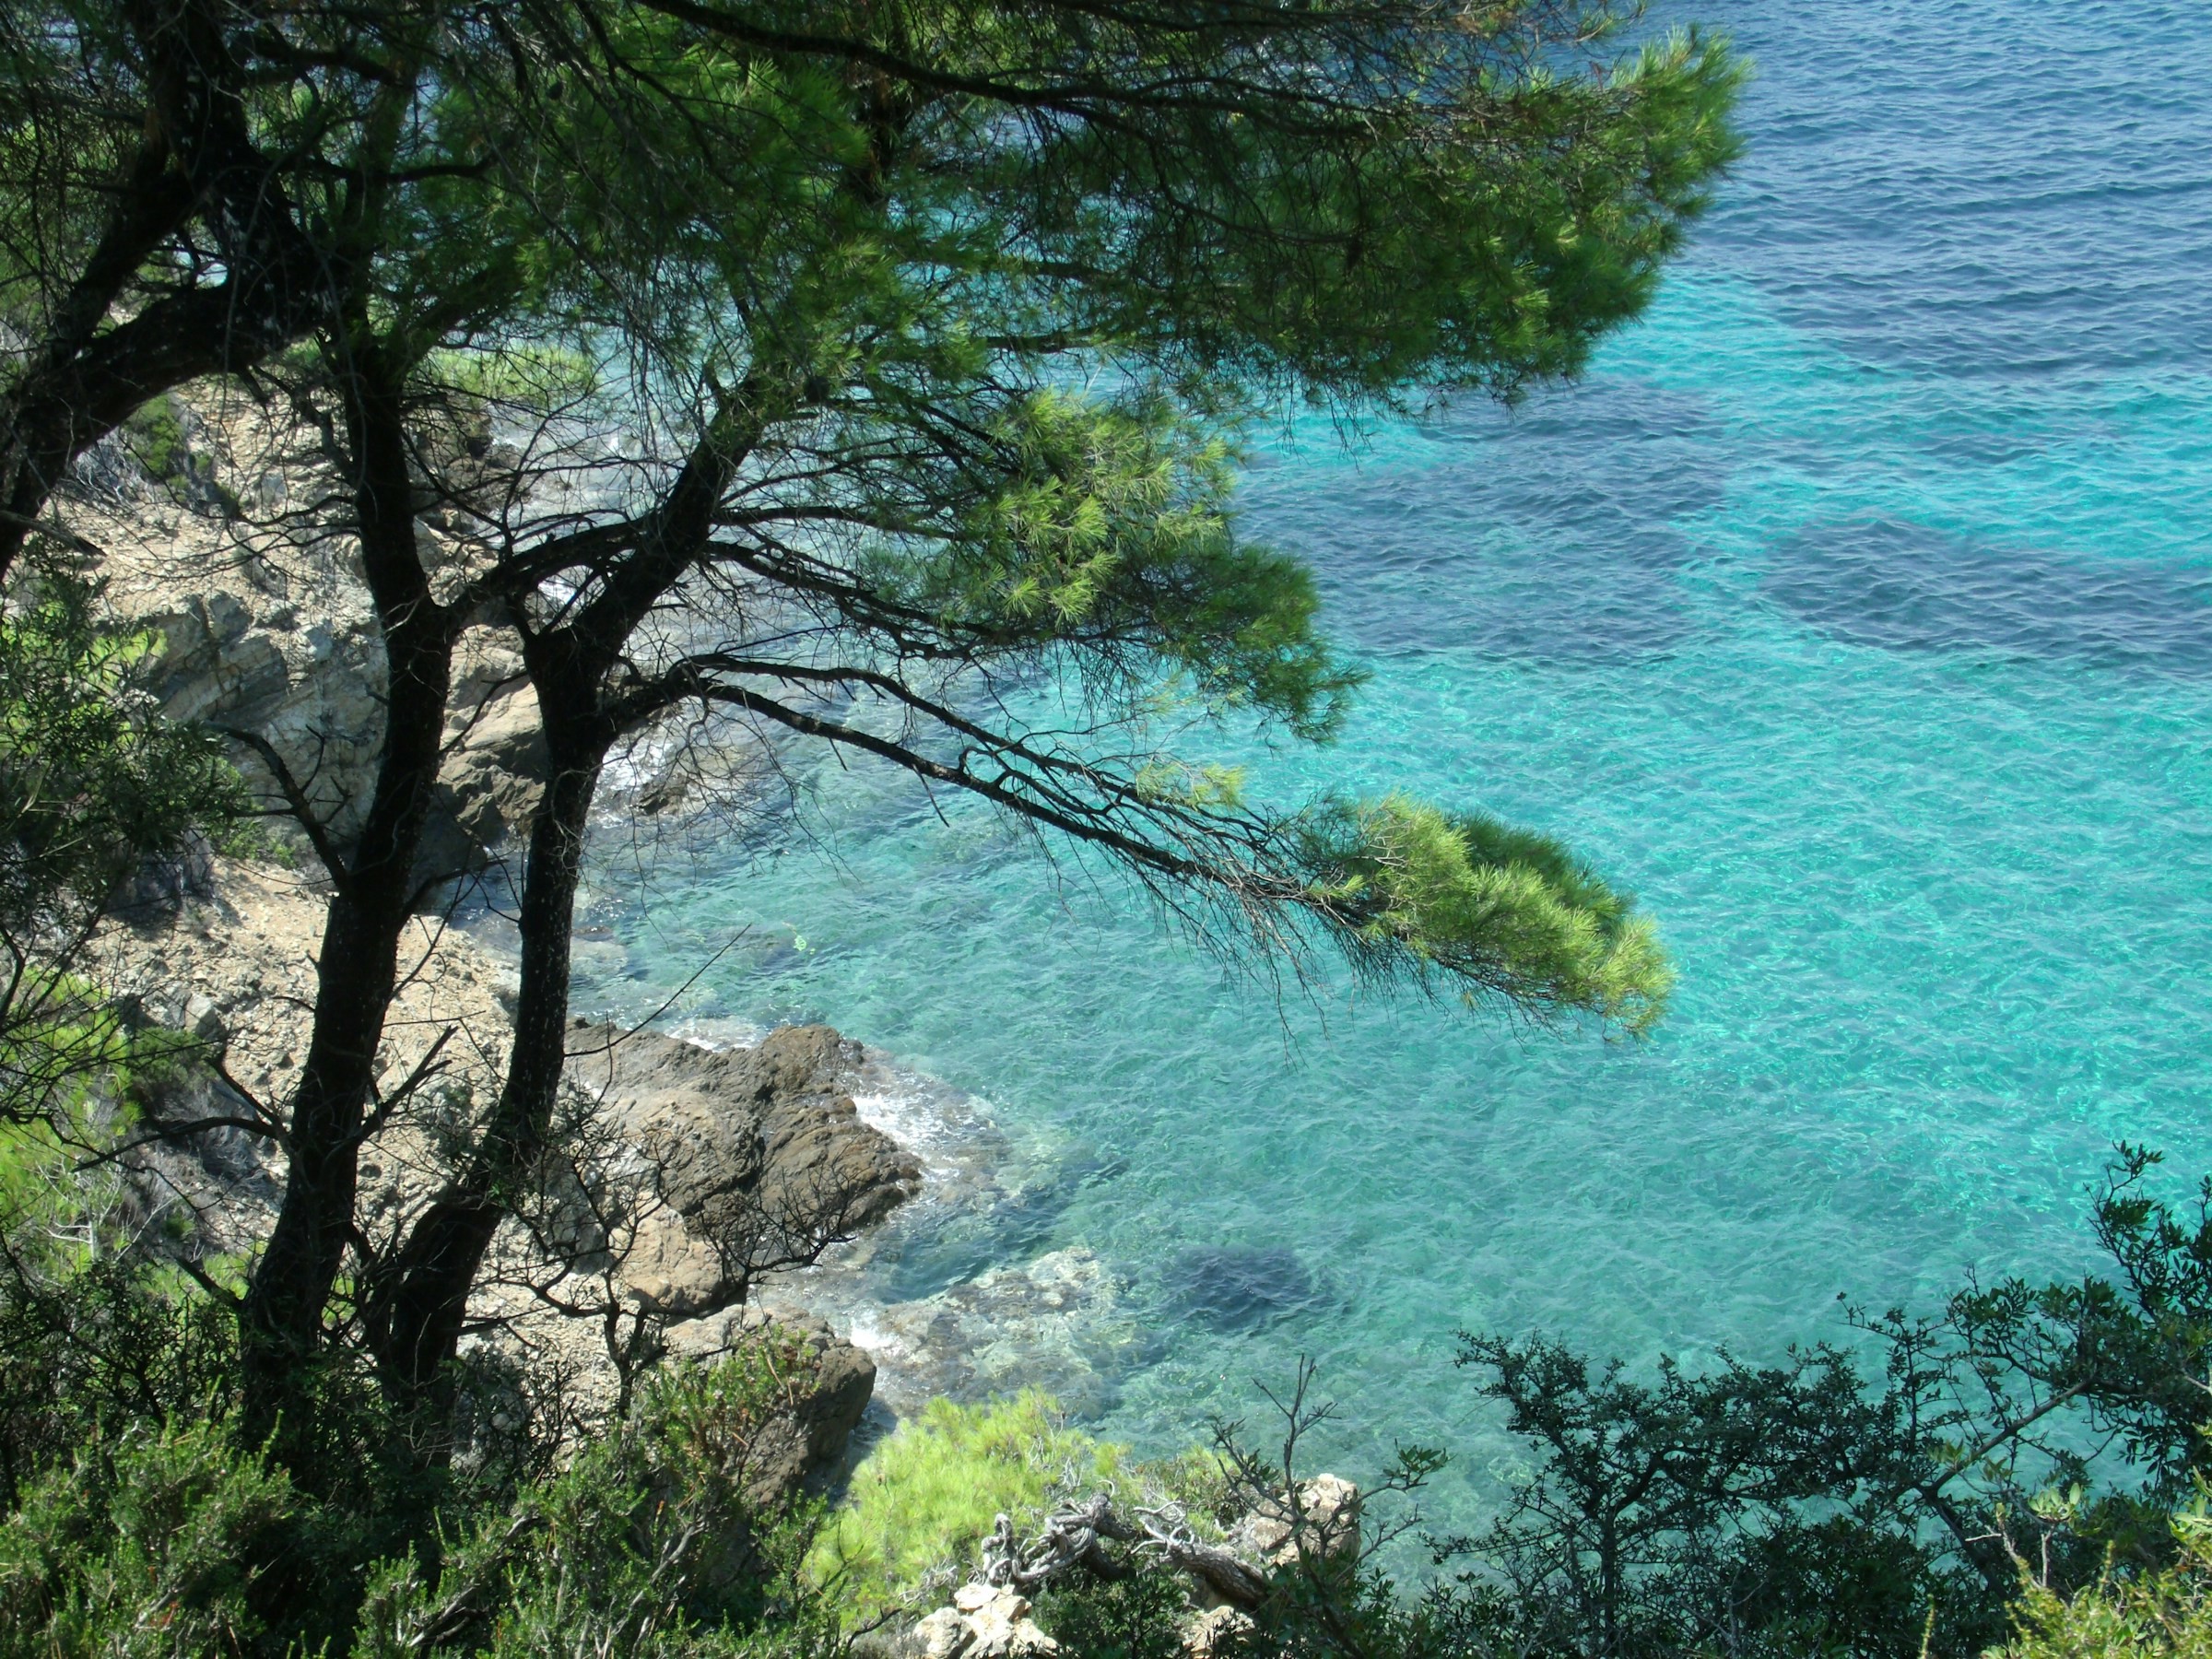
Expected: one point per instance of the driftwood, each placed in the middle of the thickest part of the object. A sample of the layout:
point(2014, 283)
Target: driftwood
point(1077, 1536)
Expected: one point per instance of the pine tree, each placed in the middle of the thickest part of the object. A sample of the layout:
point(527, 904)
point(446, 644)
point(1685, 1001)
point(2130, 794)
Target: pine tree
point(929, 335)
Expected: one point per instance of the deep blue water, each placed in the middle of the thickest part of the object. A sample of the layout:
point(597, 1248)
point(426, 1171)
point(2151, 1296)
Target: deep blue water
point(1856, 611)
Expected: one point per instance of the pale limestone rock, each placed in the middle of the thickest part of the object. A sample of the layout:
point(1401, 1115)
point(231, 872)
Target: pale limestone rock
point(262, 622)
point(943, 1635)
point(496, 763)
point(238, 965)
point(1330, 1507)
point(1216, 1632)
point(997, 1624)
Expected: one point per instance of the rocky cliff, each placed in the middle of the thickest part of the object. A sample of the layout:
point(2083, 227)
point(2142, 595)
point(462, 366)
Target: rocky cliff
point(246, 579)
point(691, 1171)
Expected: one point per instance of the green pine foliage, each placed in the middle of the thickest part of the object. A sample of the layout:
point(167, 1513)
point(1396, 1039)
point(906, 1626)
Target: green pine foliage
point(923, 1502)
point(1506, 913)
point(984, 301)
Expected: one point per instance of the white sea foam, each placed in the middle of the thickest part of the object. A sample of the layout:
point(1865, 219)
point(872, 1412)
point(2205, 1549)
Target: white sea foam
point(717, 1034)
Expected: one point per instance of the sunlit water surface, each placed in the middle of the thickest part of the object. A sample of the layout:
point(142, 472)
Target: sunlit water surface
point(1856, 611)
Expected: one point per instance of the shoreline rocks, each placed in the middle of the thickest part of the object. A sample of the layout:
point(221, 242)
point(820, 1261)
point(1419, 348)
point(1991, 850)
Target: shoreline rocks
point(757, 1156)
point(255, 602)
point(730, 1154)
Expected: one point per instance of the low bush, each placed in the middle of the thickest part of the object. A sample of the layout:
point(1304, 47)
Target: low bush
point(2167, 1614)
point(1141, 1616)
point(668, 1537)
point(923, 1501)
point(149, 1544)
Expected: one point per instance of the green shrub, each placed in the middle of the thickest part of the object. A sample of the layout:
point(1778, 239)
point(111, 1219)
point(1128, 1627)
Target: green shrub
point(155, 436)
point(159, 438)
point(2167, 1613)
point(1141, 1616)
point(146, 1546)
point(672, 1536)
point(923, 1502)
point(93, 780)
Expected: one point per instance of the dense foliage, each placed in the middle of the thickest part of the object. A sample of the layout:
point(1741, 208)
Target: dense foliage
point(2015, 1461)
point(171, 1538)
point(2166, 1612)
point(95, 788)
point(922, 1502)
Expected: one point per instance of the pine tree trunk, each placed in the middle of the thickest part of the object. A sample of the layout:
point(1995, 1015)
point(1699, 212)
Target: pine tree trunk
point(281, 1323)
point(417, 1313)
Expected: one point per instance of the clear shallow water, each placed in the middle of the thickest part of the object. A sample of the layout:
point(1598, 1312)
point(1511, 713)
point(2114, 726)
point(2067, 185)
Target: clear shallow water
point(1856, 611)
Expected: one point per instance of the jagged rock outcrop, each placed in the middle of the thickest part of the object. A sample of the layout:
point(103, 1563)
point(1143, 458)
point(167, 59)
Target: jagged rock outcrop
point(740, 1151)
point(983, 1622)
point(261, 623)
point(496, 763)
point(1225, 1581)
point(1327, 1511)
point(827, 1397)
point(754, 1154)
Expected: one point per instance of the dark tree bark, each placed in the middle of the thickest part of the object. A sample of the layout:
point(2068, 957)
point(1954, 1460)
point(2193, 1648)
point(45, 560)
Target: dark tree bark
point(281, 1327)
point(198, 160)
point(418, 1307)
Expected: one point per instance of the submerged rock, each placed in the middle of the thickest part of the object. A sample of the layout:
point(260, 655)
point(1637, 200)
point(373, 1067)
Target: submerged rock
point(1238, 1288)
point(1060, 1323)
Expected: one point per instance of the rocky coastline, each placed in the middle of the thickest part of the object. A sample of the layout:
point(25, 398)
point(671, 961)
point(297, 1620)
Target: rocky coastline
point(230, 960)
point(690, 1208)
point(694, 1144)
point(259, 627)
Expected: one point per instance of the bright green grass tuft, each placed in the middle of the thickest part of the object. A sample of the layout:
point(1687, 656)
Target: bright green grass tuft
point(923, 1501)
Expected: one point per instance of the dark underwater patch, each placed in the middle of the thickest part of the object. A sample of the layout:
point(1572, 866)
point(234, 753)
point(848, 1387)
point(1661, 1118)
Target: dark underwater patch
point(1237, 1287)
point(1904, 587)
point(1543, 534)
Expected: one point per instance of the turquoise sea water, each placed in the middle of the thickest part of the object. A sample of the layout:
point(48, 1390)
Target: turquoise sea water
point(1856, 611)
